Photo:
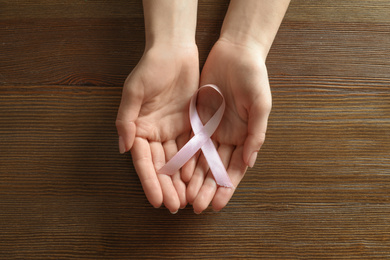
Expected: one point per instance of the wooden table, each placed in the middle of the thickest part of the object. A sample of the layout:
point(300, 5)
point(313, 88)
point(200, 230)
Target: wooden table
point(320, 188)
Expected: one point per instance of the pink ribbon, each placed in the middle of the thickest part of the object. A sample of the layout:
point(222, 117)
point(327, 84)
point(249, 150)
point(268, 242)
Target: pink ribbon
point(201, 140)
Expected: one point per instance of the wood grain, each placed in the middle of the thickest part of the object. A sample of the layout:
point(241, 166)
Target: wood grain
point(319, 190)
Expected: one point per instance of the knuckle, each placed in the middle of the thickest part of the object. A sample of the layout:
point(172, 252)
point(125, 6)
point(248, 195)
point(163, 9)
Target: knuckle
point(119, 123)
point(259, 138)
point(266, 106)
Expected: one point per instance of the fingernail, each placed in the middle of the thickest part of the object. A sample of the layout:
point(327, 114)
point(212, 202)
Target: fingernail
point(122, 147)
point(174, 212)
point(252, 160)
point(197, 213)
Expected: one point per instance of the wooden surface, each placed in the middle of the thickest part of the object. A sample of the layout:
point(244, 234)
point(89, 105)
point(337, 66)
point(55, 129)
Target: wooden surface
point(320, 188)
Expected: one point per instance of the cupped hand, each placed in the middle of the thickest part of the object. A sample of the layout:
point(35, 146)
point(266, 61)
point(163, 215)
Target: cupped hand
point(240, 73)
point(153, 118)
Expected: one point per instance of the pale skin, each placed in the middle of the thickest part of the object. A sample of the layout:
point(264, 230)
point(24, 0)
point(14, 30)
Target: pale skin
point(236, 64)
point(153, 118)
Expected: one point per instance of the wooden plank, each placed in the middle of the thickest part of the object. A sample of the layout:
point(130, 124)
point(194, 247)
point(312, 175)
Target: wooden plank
point(372, 11)
point(42, 9)
point(320, 188)
point(345, 11)
point(88, 49)
point(334, 49)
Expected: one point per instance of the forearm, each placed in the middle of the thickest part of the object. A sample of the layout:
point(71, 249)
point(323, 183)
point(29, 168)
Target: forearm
point(170, 22)
point(254, 23)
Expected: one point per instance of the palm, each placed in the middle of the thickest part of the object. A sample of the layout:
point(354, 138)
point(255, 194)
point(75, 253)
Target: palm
point(225, 133)
point(164, 114)
point(242, 79)
point(153, 117)
point(241, 75)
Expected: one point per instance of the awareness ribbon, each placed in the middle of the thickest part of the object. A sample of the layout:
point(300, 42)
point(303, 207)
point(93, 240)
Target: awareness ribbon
point(201, 140)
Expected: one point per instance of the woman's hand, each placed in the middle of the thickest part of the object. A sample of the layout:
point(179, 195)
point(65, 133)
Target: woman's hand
point(153, 118)
point(236, 64)
point(240, 73)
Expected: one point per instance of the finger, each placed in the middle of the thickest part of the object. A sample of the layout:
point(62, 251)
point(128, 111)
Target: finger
point(236, 171)
point(170, 149)
point(189, 167)
point(197, 179)
point(143, 164)
point(170, 197)
point(198, 176)
point(225, 152)
point(209, 188)
point(127, 114)
point(257, 127)
point(205, 195)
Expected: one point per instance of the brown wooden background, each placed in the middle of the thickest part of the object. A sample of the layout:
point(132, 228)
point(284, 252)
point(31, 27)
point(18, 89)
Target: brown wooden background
point(320, 188)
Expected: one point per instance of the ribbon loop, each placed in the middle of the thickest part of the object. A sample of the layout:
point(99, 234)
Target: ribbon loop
point(201, 140)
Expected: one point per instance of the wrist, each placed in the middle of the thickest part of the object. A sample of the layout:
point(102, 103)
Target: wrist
point(170, 22)
point(253, 23)
point(169, 41)
point(172, 48)
point(161, 52)
point(246, 41)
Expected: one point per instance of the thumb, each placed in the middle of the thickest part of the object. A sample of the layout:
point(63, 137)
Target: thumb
point(257, 126)
point(127, 114)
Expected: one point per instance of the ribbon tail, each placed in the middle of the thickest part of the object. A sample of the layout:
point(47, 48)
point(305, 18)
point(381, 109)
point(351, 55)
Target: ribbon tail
point(216, 166)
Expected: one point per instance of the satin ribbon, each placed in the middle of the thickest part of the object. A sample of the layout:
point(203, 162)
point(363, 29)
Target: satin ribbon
point(201, 140)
